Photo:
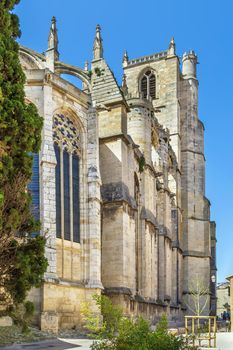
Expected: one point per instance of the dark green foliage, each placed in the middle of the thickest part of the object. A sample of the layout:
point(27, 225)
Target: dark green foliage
point(99, 71)
point(90, 73)
point(142, 163)
point(29, 267)
point(22, 261)
point(22, 314)
point(20, 124)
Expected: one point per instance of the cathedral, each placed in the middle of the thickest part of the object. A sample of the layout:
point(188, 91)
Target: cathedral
point(119, 185)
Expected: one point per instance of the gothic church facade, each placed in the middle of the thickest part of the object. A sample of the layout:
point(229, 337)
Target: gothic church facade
point(119, 184)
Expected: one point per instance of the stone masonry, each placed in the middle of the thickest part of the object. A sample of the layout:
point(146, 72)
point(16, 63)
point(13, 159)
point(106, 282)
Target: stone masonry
point(144, 229)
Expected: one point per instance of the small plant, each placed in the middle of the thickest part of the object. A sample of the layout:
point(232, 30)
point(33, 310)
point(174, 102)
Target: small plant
point(105, 323)
point(99, 71)
point(160, 302)
point(162, 325)
point(142, 163)
point(91, 321)
point(90, 73)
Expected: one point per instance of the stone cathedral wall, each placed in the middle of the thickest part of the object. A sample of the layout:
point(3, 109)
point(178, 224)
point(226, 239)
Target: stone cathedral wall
point(144, 220)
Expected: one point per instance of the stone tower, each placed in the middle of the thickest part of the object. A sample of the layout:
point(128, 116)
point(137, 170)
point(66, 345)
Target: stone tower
point(196, 207)
point(153, 96)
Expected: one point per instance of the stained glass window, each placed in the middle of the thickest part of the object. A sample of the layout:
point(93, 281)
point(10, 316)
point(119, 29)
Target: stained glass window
point(67, 144)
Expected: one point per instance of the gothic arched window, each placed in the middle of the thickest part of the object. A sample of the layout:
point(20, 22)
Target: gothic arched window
point(148, 85)
point(66, 138)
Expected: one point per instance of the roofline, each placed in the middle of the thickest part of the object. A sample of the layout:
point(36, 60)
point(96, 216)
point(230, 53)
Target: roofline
point(229, 277)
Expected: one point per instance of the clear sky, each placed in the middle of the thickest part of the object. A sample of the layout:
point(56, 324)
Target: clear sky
point(143, 28)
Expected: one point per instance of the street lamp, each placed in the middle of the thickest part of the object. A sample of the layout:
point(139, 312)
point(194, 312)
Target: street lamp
point(213, 278)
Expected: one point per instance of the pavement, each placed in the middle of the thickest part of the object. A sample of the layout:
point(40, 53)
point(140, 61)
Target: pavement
point(81, 344)
point(224, 342)
point(56, 344)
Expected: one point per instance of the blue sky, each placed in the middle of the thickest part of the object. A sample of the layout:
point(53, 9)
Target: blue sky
point(143, 28)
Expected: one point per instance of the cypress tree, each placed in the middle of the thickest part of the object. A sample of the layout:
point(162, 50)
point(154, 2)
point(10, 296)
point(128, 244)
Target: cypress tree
point(22, 261)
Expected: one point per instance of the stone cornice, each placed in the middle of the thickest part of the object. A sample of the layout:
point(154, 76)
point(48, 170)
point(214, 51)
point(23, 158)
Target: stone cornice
point(117, 192)
point(194, 152)
point(195, 254)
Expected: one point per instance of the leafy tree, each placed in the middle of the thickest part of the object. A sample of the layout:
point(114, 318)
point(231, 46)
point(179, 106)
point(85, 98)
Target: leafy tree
point(22, 261)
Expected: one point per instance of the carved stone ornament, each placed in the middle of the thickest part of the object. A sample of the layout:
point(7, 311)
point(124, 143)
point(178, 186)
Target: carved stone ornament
point(66, 134)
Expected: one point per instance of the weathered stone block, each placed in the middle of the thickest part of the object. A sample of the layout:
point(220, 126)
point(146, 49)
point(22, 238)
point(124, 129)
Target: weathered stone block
point(6, 321)
point(49, 321)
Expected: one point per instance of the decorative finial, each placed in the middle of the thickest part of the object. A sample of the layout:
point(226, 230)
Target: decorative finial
point(192, 52)
point(98, 45)
point(172, 47)
point(53, 39)
point(86, 66)
point(125, 59)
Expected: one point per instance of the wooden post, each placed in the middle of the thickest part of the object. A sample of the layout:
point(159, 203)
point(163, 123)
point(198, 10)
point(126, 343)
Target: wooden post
point(212, 328)
point(215, 330)
point(209, 332)
point(193, 331)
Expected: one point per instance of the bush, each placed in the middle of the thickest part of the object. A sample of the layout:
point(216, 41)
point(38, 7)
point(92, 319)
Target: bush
point(105, 323)
point(22, 315)
point(117, 332)
point(137, 335)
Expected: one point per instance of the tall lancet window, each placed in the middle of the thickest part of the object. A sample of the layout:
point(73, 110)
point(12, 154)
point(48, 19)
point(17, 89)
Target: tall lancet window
point(66, 138)
point(148, 85)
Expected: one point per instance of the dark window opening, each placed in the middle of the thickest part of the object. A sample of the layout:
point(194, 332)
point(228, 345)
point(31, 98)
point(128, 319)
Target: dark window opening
point(152, 86)
point(148, 85)
point(66, 172)
point(76, 210)
point(70, 172)
point(144, 87)
point(58, 191)
point(34, 189)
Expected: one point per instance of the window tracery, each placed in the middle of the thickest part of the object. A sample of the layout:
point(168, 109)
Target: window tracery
point(65, 133)
point(67, 146)
point(148, 85)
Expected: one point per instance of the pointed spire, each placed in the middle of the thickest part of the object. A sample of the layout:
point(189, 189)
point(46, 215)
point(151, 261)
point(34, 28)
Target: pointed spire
point(172, 47)
point(53, 39)
point(86, 66)
point(84, 85)
point(125, 59)
point(98, 44)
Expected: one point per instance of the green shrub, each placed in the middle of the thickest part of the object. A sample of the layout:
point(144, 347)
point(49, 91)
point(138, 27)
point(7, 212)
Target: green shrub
point(137, 335)
point(117, 332)
point(105, 323)
point(22, 315)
